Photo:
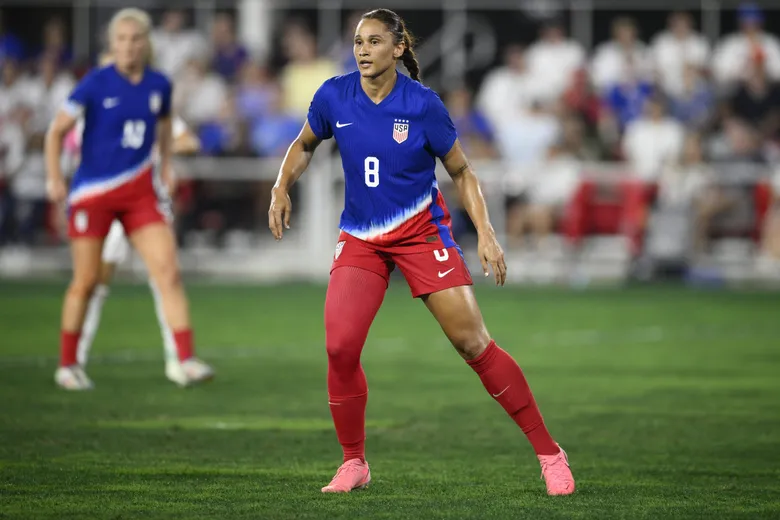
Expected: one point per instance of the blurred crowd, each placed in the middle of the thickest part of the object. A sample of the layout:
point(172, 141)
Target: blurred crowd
point(669, 108)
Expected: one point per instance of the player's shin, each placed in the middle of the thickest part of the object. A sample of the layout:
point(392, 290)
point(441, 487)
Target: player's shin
point(169, 342)
point(504, 380)
point(354, 296)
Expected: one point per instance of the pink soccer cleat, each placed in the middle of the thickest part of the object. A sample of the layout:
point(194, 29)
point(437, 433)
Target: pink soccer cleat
point(557, 474)
point(353, 474)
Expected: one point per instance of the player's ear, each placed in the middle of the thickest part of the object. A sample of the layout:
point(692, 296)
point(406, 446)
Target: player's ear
point(399, 50)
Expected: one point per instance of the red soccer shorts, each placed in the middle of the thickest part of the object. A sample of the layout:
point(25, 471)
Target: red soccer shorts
point(426, 272)
point(135, 206)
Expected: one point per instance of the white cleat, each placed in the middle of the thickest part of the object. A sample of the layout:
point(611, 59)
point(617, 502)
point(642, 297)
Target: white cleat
point(189, 372)
point(73, 378)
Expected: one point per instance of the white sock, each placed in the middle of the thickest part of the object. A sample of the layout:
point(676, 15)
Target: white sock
point(169, 343)
point(91, 323)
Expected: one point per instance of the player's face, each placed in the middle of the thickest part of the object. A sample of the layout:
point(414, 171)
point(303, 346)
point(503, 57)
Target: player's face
point(375, 48)
point(129, 44)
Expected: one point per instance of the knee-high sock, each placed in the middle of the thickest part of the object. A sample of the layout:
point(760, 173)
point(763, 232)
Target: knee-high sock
point(91, 323)
point(353, 299)
point(169, 342)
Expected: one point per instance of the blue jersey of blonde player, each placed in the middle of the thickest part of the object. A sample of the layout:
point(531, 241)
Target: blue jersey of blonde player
point(115, 175)
point(388, 152)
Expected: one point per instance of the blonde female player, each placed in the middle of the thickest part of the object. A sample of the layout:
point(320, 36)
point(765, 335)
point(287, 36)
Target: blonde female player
point(126, 110)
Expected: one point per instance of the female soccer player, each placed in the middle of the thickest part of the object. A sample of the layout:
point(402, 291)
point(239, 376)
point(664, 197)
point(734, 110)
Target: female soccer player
point(126, 110)
point(390, 129)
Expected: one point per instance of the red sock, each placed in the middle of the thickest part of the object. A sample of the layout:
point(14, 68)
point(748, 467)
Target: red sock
point(69, 345)
point(184, 346)
point(354, 296)
point(503, 378)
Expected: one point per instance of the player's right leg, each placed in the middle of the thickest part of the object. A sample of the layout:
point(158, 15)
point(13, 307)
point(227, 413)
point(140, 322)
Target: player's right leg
point(115, 251)
point(357, 286)
point(153, 238)
point(87, 228)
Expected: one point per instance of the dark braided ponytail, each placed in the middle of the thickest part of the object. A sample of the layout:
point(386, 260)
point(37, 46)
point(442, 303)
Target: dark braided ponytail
point(396, 26)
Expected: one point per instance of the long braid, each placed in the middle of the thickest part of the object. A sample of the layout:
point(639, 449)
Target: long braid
point(409, 58)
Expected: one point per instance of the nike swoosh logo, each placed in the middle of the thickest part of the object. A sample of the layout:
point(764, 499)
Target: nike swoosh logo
point(445, 273)
point(502, 391)
point(339, 125)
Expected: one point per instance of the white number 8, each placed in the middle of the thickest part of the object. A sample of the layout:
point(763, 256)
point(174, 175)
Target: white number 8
point(371, 166)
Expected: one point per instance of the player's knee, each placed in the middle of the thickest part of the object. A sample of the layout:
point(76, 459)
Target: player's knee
point(470, 343)
point(343, 351)
point(83, 285)
point(167, 276)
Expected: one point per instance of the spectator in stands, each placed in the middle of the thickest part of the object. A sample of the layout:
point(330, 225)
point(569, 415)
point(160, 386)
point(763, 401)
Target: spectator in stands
point(653, 142)
point(304, 72)
point(581, 99)
point(613, 59)
point(677, 50)
point(12, 155)
point(740, 53)
point(757, 101)
point(13, 89)
point(55, 43)
point(694, 106)
point(200, 94)
point(505, 93)
point(229, 55)
point(11, 46)
point(174, 46)
point(272, 133)
point(552, 61)
point(48, 90)
point(255, 93)
point(626, 99)
point(342, 52)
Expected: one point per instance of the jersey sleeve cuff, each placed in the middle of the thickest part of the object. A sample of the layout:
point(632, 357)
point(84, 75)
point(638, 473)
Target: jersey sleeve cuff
point(73, 109)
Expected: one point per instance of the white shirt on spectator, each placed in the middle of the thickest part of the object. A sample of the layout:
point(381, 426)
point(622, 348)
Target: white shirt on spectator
point(733, 56)
point(611, 65)
point(551, 66)
point(172, 51)
point(12, 148)
point(46, 101)
point(652, 145)
point(505, 95)
point(200, 100)
point(15, 95)
point(671, 55)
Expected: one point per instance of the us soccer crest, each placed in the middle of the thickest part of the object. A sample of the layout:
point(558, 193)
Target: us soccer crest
point(155, 102)
point(339, 247)
point(400, 130)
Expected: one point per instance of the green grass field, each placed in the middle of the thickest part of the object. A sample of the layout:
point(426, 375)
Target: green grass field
point(667, 400)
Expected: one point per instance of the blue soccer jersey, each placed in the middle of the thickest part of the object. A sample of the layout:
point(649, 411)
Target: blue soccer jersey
point(388, 152)
point(120, 128)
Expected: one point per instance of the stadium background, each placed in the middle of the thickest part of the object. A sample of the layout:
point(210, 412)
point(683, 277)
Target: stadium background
point(664, 395)
point(248, 100)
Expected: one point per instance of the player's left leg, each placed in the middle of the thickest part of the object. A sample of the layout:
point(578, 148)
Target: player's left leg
point(153, 238)
point(115, 250)
point(452, 303)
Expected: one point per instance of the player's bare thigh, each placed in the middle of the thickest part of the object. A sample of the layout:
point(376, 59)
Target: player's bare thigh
point(156, 244)
point(86, 253)
point(459, 316)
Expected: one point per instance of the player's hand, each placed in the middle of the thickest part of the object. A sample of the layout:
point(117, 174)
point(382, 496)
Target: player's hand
point(56, 189)
point(491, 254)
point(279, 212)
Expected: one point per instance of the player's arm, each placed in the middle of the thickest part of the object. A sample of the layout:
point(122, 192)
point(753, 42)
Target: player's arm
point(63, 122)
point(295, 162)
point(467, 184)
point(185, 141)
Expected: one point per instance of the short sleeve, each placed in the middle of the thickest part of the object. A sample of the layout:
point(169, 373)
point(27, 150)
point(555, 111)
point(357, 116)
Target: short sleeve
point(318, 114)
point(81, 96)
point(440, 131)
point(167, 94)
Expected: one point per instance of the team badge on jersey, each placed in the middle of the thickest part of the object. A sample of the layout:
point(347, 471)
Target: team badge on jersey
point(339, 247)
point(155, 102)
point(400, 130)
